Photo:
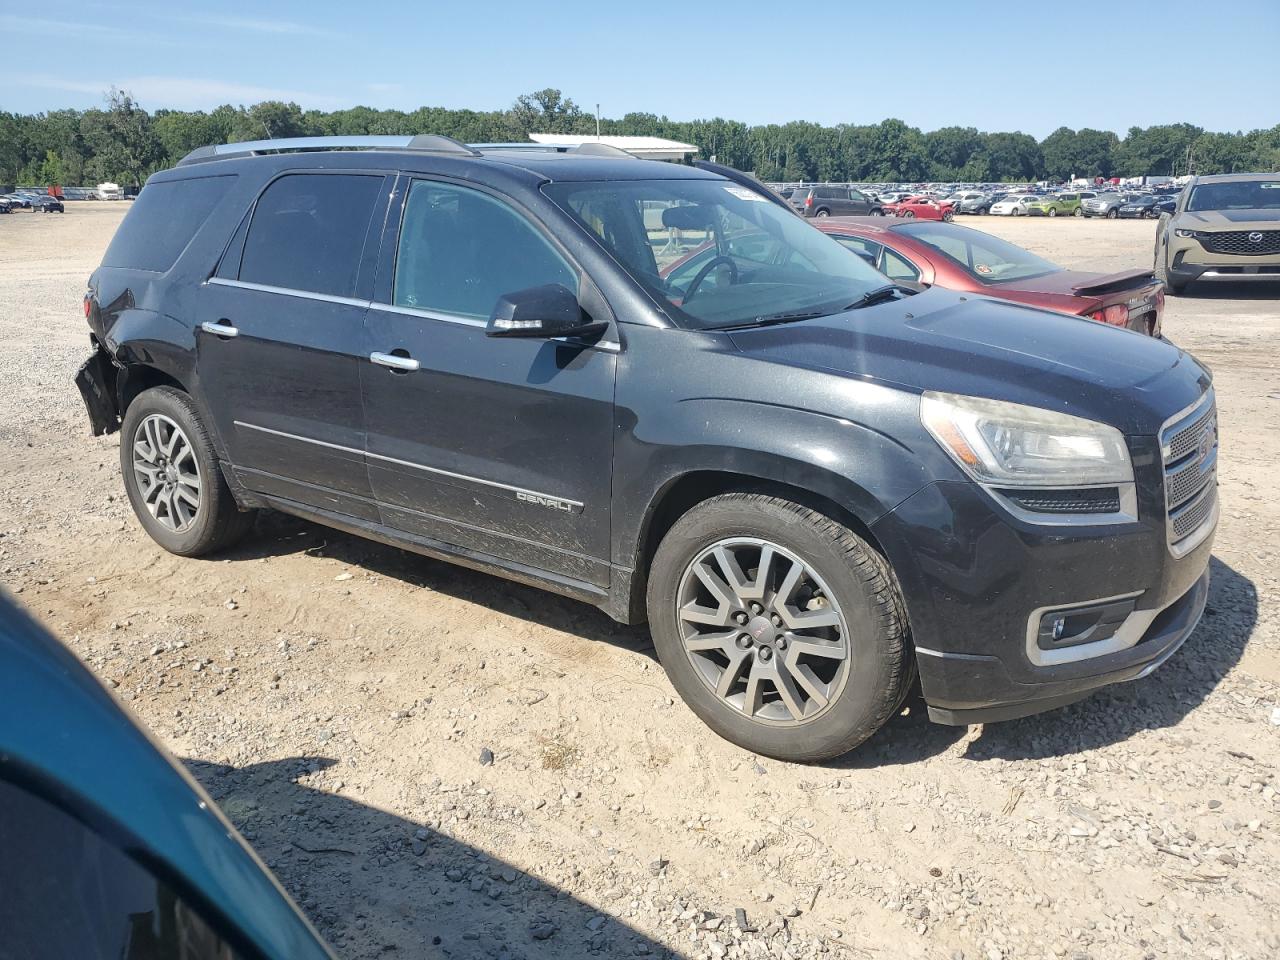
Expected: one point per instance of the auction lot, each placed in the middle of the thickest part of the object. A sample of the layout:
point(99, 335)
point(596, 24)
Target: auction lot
point(335, 697)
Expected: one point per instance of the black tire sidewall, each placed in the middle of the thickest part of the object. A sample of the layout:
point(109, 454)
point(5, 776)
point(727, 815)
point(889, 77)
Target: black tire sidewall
point(879, 661)
point(217, 521)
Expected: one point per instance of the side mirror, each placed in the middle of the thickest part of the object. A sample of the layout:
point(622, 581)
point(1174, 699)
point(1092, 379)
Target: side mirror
point(551, 310)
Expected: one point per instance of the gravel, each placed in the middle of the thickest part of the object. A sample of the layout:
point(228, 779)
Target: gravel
point(334, 695)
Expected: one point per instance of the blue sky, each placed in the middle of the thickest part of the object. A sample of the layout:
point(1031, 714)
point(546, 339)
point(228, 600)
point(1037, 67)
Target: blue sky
point(992, 65)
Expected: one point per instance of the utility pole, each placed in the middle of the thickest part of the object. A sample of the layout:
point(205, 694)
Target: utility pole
point(597, 121)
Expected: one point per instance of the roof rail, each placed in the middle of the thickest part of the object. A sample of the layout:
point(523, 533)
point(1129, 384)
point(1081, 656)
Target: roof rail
point(427, 142)
point(588, 148)
point(592, 149)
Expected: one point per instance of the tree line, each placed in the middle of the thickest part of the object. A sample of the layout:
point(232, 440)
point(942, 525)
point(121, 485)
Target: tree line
point(124, 143)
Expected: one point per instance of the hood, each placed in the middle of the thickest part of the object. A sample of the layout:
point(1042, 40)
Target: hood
point(1229, 219)
point(958, 343)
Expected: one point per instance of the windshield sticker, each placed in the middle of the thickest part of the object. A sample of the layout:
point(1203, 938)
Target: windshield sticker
point(982, 268)
point(742, 193)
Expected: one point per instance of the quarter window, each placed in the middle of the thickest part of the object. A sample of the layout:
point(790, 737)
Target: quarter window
point(308, 233)
point(896, 268)
point(460, 250)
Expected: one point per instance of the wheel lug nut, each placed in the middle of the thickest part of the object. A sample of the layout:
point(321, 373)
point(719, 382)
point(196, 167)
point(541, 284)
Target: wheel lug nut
point(756, 608)
point(740, 617)
point(777, 620)
point(744, 640)
point(766, 653)
point(780, 642)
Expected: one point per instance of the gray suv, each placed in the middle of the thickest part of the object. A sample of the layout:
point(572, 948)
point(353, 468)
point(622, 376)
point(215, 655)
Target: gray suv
point(834, 202)
point(1105, 204)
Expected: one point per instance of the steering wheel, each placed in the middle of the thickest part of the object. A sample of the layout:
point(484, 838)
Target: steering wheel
point(706, 269)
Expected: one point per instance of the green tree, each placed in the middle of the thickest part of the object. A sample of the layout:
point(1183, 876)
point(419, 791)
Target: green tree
point(123, 145)
point(546, 111)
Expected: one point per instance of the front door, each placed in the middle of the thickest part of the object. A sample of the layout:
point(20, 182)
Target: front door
point(281, 338)
point(500, 446)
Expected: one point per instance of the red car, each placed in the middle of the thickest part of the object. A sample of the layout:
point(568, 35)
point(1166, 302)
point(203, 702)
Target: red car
point(920, 208)
point(918, 253)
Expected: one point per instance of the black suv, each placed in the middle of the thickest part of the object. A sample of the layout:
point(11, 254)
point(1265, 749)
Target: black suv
point(834, 202)
point(810, 482)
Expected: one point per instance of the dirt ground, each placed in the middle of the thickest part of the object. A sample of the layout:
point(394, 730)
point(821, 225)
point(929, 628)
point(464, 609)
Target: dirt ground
point(335, 697)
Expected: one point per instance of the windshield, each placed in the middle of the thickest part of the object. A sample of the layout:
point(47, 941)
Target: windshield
point(716, 254)
point(1243, 195)
point(986, 258)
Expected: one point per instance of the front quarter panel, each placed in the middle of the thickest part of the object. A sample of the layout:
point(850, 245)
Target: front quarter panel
point(690, 402)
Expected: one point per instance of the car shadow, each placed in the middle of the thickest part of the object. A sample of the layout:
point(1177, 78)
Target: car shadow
point(1111, 715)
point(376, 884)
point(279, 534)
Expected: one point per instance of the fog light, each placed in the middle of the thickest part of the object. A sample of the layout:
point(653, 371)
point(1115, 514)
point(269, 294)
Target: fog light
point(1075, 625)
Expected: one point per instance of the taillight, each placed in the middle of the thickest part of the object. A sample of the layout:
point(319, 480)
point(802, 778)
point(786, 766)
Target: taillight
point(88, 305)
point(1159, 299)
point(808, 201)
point(1117, 315)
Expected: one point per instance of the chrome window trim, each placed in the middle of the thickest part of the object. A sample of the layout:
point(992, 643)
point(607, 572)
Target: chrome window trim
point(610, 346)
point(288, 292)
point(409, 463)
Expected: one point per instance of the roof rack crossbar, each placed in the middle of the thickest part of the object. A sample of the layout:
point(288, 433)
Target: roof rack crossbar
point(427, 142)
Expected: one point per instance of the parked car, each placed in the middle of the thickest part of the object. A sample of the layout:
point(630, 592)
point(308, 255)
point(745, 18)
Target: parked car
point(1014, 205)
point(109, 847)
point(47, 204)
point(5, 205)
point(921, 208)
point(1106, 204)
point(1059, 205)
point(834, 202)
point(968, 260)
point(779, 462)
point(19, 200)
point(1223, 227)
point(1144, 206)
point(971, 202)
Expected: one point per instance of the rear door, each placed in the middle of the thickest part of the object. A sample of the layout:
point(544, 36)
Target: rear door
point(281, 339)
point(859, 204)
point(496, 445)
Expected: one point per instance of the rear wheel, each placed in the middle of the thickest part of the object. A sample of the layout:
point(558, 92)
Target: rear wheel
point(781, 628)
point(908, 214)
point(172, 477)
point(823, 213)
point(1079, 212)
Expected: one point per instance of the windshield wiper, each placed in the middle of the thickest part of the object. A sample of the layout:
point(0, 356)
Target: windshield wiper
point(880, 295)
point(770, 319)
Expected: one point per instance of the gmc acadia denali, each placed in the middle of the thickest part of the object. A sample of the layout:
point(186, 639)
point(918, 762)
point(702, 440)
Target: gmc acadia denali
point(810, 482)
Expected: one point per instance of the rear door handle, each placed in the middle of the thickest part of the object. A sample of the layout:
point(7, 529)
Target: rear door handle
point(219, 329)
point(394, 362)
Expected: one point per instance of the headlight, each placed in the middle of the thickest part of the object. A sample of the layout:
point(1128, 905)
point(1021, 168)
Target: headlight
point(1013, 444)
point(1184, 233)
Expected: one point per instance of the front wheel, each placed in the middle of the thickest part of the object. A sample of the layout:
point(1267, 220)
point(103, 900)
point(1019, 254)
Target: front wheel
point(1053, 211)
point(1078, 212)
point(908, 214)
point(1113, 213)
point(780, 627)
point(948, 216)
point(172, 477)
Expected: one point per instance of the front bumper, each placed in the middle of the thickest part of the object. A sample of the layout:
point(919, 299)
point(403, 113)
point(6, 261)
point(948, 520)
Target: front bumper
point(977, 579)
point(1189, 260)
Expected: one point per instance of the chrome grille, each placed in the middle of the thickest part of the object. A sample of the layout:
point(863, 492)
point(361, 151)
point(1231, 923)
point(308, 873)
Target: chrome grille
point(1242, 242)
point(1189, 448)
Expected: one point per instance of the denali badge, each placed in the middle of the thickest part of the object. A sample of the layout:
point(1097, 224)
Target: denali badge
point(551, 502)
point(1255, 237)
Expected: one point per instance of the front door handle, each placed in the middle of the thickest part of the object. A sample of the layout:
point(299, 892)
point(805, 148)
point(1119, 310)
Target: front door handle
point(393, 361)
point(219, 329)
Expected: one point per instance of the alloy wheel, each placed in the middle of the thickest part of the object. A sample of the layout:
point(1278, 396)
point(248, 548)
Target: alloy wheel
point(168, 475)
point(762, 631)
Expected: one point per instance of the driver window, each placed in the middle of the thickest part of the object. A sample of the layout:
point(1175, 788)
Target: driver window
point(896, 268)
point(460, 250)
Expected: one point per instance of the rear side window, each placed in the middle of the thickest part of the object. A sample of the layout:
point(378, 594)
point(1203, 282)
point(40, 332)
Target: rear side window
point(163, 220)
point(308, 233)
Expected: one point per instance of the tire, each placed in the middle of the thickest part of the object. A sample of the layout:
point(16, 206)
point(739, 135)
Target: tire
point(862, 691)
point(983, 211)
point(877, 212)
point(907, 214)
point(1113, 213)
point(215, 522)
point(1053, 211)
point(1161, 270)
point(1017, 212)
point(1078, 212)
point(823, 213)
point(948, 216)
